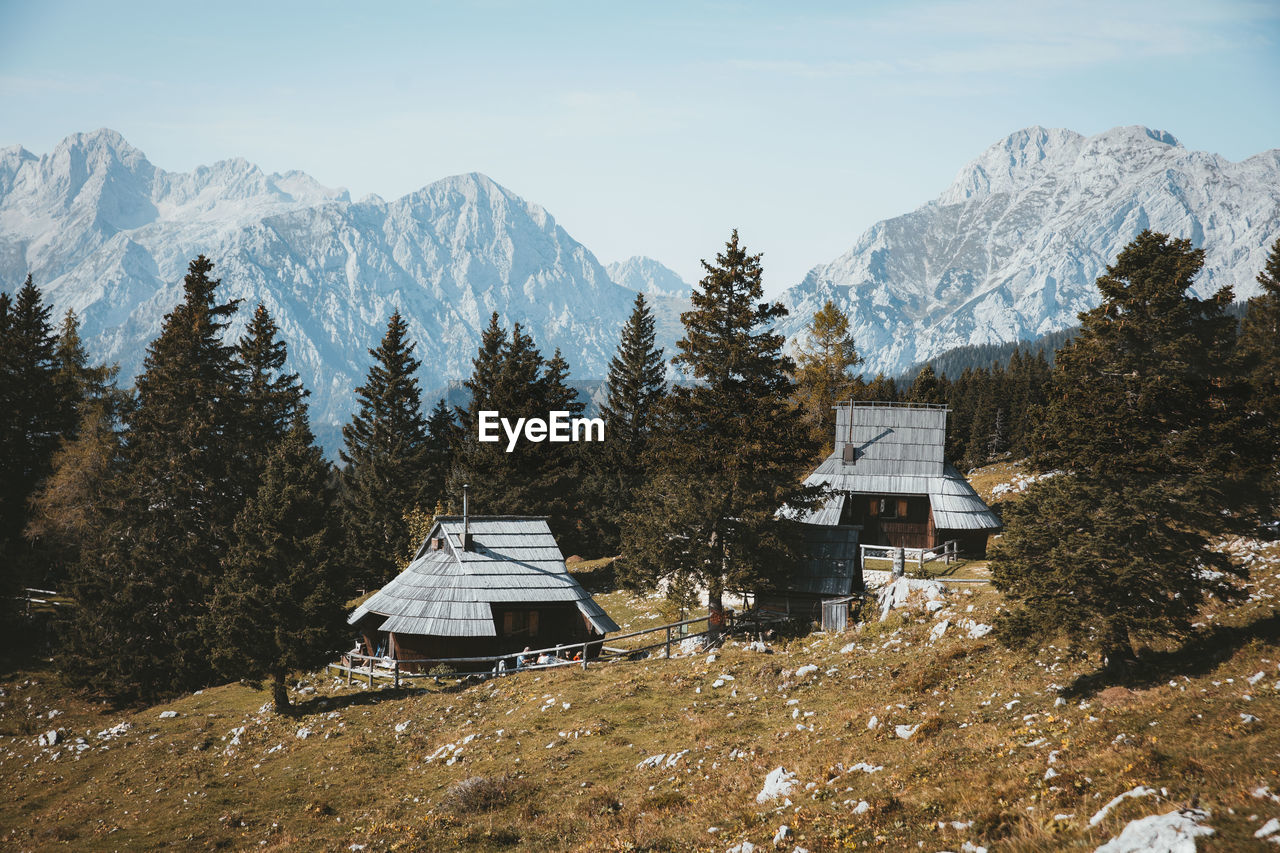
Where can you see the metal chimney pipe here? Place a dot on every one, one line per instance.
(466, 520)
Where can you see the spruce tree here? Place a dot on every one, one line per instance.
(511, 377)
(167, 517)
(384, 447)
(34, 413)
(616, 470)
(729, 451)
(1116, 546)
(443, 438)
(278, 606)
(1259, 359)
(824, 358)
(926, 388)
(273, 399)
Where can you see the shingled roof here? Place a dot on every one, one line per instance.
(450, 592)
(898, 450)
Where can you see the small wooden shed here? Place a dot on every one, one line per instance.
(481, 586)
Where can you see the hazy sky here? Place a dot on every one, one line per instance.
(645, 128)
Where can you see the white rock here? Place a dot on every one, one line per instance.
(303, 733)
(1248, 718)
(1140, 791)
(1256, 677)
(49, 738)
(1271, 827)
(400, 727)
(783, 834)
(873, 723)
(744, 847)
(977, 630)
(905, 732)
(168, 715)
(862, 807)
(1175, 832)
(778, 783)
(805, 670)
(939, 630)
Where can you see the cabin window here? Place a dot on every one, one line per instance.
(875, 507)
(902, 507)
(520, 623)
(889, 508)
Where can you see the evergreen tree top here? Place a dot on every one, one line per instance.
(729, 335)
(389, 420)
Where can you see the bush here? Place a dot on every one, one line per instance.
(482, 793)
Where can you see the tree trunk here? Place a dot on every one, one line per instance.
(280, 694)
(1117, 650)
(715, 611)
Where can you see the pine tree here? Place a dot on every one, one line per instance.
(278, 607)
(1259, 358)
(636, 384)
(727, 452)
(823, 361)
(926, 388)
(511, 377)
(384, 448)
(1116, 546)
(443, 438)
(273, 399)
(167, 517)
(33, 411)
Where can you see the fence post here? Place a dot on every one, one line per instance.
(370, 674)
(584, 656)
(351, 665)
(397, 673)
(668, 642)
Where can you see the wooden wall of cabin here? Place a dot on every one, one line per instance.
(543, 626)
(905, 521)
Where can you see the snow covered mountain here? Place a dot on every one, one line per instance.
(105, 232)
(1011, 249)
(648, 276)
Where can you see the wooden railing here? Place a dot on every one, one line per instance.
(948, 552)
(371, 666)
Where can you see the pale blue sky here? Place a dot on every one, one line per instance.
(644, 128)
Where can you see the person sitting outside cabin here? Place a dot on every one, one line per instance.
(522, 659)
(545, 659)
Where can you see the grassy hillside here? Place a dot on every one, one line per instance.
(1006, 750)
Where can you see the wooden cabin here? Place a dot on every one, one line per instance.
(892, 481)
(481, 586)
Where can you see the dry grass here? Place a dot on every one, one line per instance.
(505, 765)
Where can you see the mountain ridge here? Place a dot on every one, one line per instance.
(108, 234)
(1011, 249)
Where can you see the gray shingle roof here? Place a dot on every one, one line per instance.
(450, 592)
(900, 451)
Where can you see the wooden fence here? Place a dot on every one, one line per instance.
(948, 552)
(356, 666)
